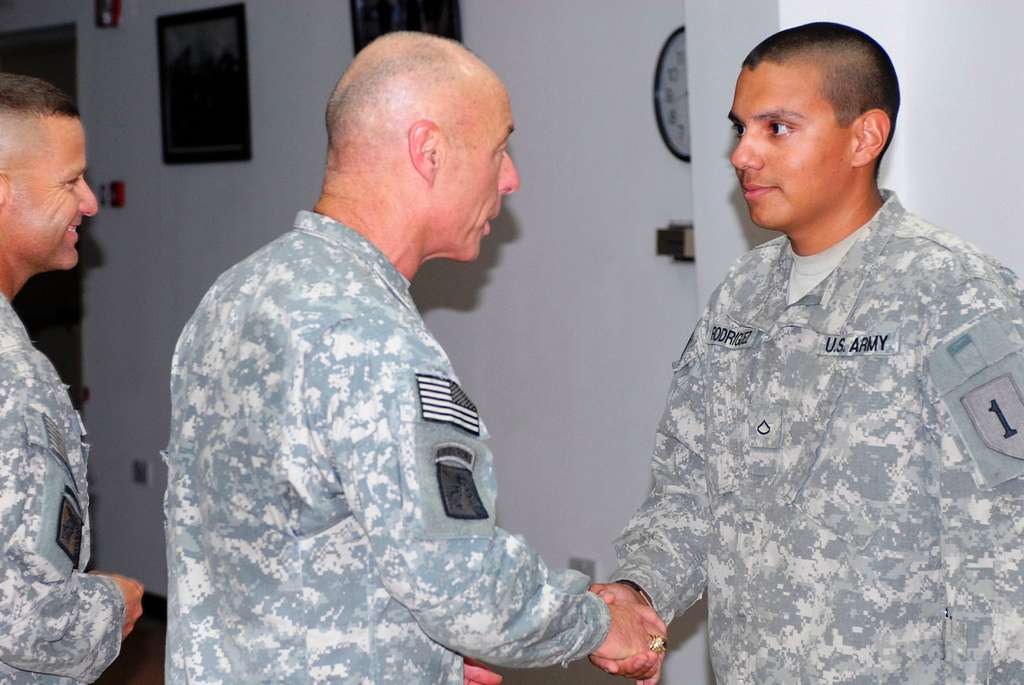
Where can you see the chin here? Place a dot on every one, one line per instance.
(765, 220)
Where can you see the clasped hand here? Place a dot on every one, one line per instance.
(626, 651)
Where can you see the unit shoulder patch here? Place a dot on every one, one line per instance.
(69, 527)
(996, 410)
(459, 494)
(443, 401)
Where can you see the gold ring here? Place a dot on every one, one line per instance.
(657, 644)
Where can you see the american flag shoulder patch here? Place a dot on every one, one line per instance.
(443, 401)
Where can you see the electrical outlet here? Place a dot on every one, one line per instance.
(140, 471)
(585, 566)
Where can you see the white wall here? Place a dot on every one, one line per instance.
(567, 339)
(719, 35)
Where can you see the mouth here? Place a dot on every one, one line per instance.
(753, 191)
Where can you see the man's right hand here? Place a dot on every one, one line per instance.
(132, 591)
(632, 627)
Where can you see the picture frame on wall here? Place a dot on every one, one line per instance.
(204, 86)
(373, 18)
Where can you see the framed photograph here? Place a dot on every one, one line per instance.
(204, 86)
(372, 18)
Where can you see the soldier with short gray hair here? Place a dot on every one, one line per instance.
(58, 624)
(840, 464)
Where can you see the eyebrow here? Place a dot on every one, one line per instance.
(770, 114)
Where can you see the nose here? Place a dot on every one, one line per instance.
(746, 155)
(508, 179)
(87, 204)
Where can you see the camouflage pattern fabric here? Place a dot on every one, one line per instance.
(57, 625)
(331, 497)
(843, 475)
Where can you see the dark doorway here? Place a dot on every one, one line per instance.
(50, 304)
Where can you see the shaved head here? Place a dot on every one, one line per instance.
(24, 102)
(856, 72)
(398, 78)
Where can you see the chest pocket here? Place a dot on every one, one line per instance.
(730, 362)
(866, 440)
(58, 506)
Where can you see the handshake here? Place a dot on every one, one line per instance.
(634, 647)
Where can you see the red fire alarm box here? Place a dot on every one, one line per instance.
(108, 13)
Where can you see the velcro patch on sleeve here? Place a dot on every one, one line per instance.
(69, 528)
(443, 401)
(459, 495)
(979, 375)
(996, 409)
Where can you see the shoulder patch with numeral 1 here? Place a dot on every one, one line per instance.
(996, 409)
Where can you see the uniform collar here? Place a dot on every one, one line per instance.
(361, 248)
(829, 305)
(12, 330)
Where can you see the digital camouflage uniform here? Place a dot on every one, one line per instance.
(843, 475)
(331, 498)
(57, 625)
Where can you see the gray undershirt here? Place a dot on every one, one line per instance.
(811, 270)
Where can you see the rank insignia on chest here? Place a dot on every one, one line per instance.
(443, 401)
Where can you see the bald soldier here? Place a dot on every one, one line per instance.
(331, 496)
(58, 624)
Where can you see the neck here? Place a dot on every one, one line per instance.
(840, 223)
(10, 280)
(372, 215)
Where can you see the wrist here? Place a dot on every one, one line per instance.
(637, 589)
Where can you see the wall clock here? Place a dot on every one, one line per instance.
(671, 97)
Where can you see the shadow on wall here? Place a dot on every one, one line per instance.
(583, 673)
(440, 284)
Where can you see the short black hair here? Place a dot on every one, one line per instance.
(856, 72)
(30, 96)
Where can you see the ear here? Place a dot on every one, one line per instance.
(426, 151)
(871, 131)
(6, 192)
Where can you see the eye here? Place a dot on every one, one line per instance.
(738, 129)
(778, 128)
